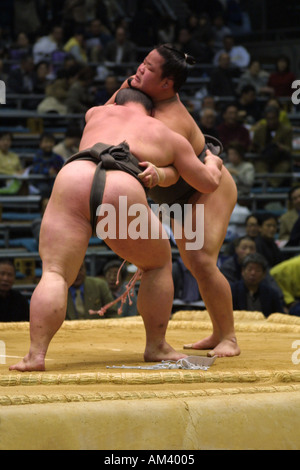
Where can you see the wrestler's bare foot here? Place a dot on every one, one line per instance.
(162, 352)
(30, 363)
(224, 348)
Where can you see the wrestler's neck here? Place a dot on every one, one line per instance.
(165, 99)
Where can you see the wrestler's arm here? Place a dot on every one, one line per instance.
(205, 177)
(158, 176)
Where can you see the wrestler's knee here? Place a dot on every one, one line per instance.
(201, 265)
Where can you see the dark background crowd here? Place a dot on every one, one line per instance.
(59, 58)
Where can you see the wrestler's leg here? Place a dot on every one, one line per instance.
(153, 257)
(64, 238)
(213, 286)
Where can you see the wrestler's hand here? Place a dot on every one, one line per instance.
(211, 158)
(151, 176)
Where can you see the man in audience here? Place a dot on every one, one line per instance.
(289, 218)
(287, 276)
(88, 293)
(265, 241)
(252, 292)
(14, 306)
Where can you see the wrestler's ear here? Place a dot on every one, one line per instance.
(168, 83)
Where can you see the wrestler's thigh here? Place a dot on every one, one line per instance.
(218, 207)
(139, 237)
(65, 229)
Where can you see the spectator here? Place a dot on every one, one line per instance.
(252, 292)
(294, 239)
(111, 85)
(21, 78)
(75, 46)
(231, 130)
(265, 241)
(120, 51)
(242, 172)
(288, 220)
(88, 293)
(10, 165)
(79, 97)
(56, 94)
(70, 144)
(232, 266)
(200, 27)
(249, 108)
(222, 78)
(251, 231)
(41, 77)
(207, 123)
(46, 163)
(252, 226)
(287, 275)
(94, 44)
(273, 141)
(20, 48)
(219, 31)
(281, 80)
(283, 115)
(256, 77)
(110, 271)
(239, 56)
(46, 45)
(14, 306)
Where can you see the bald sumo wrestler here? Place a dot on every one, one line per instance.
(66, 227)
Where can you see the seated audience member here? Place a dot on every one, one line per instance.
(41, 77)
(252, 226)
(294, 239)
(239, 56)
(111, 271)
(273, 141)
(231, 130)
(252, 292)
(70, 144)
(75, 46)
(249, 108)
(56, 94)
(46, 163)
(251, 231)
(88, 293)
(281, 80)
(222, 78)
(111, 85)
(20, 47)
(283, 114)
(79, 97)
(200, 50)
(265, 241)
(255, 77)
(242, 172)
(185, 285)
(287, 276)
(232, 266)
(10, 164)
(120, 50)
(21, 78)
(289, 218)
(207, 122)
(44, 47)
(219, 31)
(14, 307)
